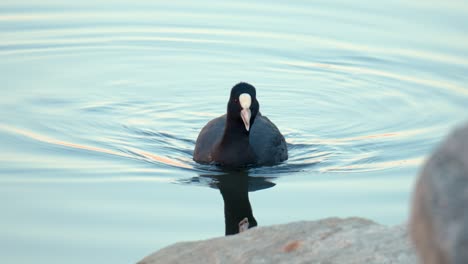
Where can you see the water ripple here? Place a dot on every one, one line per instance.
(102, 102)
(351, 105)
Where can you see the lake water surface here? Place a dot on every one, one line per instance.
(102, 103)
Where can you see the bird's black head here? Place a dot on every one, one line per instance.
(243, 105)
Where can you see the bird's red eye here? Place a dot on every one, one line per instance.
(236, 100)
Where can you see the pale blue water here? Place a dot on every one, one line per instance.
(102, 102)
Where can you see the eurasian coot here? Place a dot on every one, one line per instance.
(242, 136)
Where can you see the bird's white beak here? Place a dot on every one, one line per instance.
(245, 114)
(245, 102)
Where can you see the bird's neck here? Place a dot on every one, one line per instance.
(235, 133)
(234, 148)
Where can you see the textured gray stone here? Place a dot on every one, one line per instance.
(332, 240)
(439, 216)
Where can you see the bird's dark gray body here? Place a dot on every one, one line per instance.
(265, 140)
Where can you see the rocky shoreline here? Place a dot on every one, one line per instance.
(331, 240)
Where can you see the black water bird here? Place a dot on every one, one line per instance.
(241, 137)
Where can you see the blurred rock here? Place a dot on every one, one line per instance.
(332, 240)
(439, 217)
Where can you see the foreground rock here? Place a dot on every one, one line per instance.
(332, 240)
(439, 217)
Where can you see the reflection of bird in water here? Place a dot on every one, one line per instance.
(235, 187)
(238, 215)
